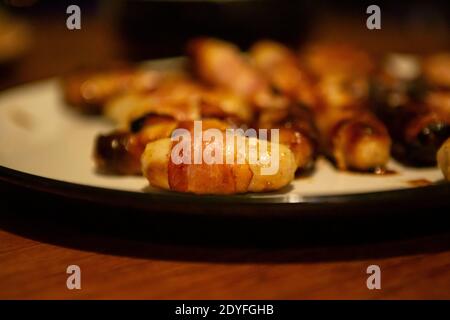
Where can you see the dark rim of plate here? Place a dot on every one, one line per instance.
(439, 192)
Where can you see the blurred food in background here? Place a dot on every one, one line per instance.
(145, 29)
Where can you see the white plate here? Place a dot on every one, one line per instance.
(40, 135)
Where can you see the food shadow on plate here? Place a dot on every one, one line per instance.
(126, 232)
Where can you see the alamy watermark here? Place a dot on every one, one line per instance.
(373, 22)
(74, 280)
(374, 280)
(232, 146)
(73, 21)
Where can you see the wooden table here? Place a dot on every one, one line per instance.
(32, 268)
(35, 250)
(42, 236)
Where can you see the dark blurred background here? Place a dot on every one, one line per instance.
(35, 43)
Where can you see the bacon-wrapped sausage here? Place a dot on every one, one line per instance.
(415, 106)
(337, 58)
(225, 105)
(88, 91)
(296, 130)
(279, 64)
(355, 140)
(443, 159)
(221, 64)
(418, 133)
(182, 98)
(139, 117)
(349, 132)
(436, 69)
(120, 151)
(176, 95)
(163, 171)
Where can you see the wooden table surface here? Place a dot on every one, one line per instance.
(33, 265)
(36, 250)
(42, 236)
